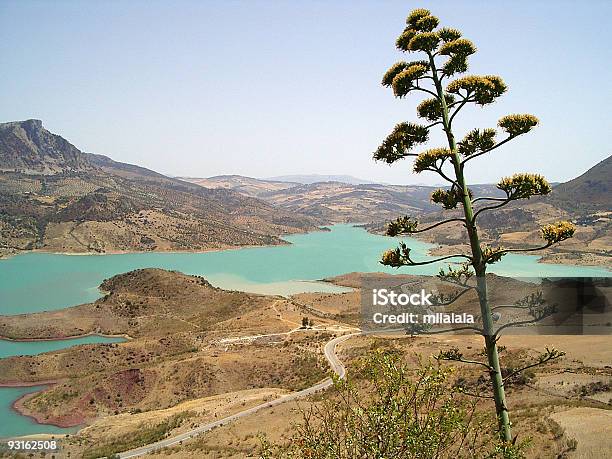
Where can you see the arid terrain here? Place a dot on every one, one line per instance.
(53, 197)
(58, 199)
(197, 353)
(305, 230)
(584, 200)
(335, 201)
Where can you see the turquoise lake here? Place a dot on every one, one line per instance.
(38, 281)
(9, 348)
(13, 424)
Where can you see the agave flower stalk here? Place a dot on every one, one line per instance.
(446, 55)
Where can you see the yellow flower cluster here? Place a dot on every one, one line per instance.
(431, 109)
(477, 141)
(426, 41)
(416, 16)
(517, 124)
(523, 186)
(397, 257)
(418, 36)
(429, 159)
(483, 89)
(557, 232)
(399, 67)
(448, 34)
(403, 138)
(448, 198)
(461, 46)
(404, 81)
(492, 255)
(402, 225)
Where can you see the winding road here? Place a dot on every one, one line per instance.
(335, 364)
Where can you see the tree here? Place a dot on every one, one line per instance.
(446, 56)
(389, 409)
(305, 322)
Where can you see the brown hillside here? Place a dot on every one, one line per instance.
(56, 198)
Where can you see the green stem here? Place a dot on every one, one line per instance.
(479, 267)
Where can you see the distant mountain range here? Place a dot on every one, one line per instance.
(586, 200)
(55, 197)
(339, 200)
(591, 191)
(335, 201)
(308, 179)
(28, 148)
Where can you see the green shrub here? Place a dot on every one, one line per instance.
(144, 435)
(391, 410)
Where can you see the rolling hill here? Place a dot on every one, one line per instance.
(585, 200)
(244, 185)
(28, 148)
(308, 179)
(57, 198)
(335, 201)
(591, 191)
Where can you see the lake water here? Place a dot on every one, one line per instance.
(12, 423)
(38, 281)
(9, 348)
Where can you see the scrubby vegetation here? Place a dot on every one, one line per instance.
(388, 408)
(70, 201)
(144, 435)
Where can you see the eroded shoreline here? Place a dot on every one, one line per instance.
(64, 338)
(19, 407)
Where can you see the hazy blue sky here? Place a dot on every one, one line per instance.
(270, 88)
